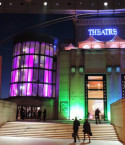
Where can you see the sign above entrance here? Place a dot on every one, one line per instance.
(107, 32)
(103, 34)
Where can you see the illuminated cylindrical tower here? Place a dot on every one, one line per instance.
(34, 67)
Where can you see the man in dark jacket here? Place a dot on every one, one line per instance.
(76, 125)
(97, 118)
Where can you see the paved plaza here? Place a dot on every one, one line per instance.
(44, 141)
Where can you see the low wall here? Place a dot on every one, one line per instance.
(118, 118)
(7, 111)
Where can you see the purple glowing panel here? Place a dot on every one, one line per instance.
(49, 90)
(13, 76)
(34, 90)
(24, 89)
(45, 90)
(50, 63)
(40, 90)
(14, 90)
(25, 75)
(26, 61)
(51, 50)
(50, 76)
(47, 49)
(32, 47)
(41, 72)
(46, 76)
(46, 62)
(16, 75)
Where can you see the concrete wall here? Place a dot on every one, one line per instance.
(7, 111)
(118, 118)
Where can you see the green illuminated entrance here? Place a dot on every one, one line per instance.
(95, 96)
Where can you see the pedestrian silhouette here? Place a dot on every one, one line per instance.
(87, 129)
(44, 115)
(97, 118)
(39, 114)
(76, 125)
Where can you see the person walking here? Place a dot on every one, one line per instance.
(44, 115)
(76, 125)
(87, 129)
(39, 115)
(97, 118)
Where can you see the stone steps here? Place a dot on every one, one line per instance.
(55, 130)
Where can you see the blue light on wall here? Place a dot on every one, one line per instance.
(105, 34)
(109, 69)
(117, 69)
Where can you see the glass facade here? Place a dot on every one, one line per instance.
(33, 69)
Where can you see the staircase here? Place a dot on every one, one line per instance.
(55, 130)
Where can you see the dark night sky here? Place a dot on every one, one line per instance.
(17, 23)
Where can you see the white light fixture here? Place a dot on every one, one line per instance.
(10, 4)
(45, 3)
(105, 4)
(57, 3)
(0, 3)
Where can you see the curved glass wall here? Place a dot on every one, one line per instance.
(33, 69)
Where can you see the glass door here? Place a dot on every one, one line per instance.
(95, 96)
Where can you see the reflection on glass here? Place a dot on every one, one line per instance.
(93, 105)
(95, 84)
(95, 77)
(95, 93)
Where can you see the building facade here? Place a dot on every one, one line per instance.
(76, 80)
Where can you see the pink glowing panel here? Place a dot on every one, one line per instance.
(45, 90)
(46, 76)
(46, 62)
(32, 47)
(31, 60)
(42, 48)
(30, 75)
(37, 45)
(13, 76)
(50, 76)
(50, 63)
(29, 89)
(16, 75)
(14, 63)
(49, 90)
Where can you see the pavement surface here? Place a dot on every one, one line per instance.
(44, 141)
